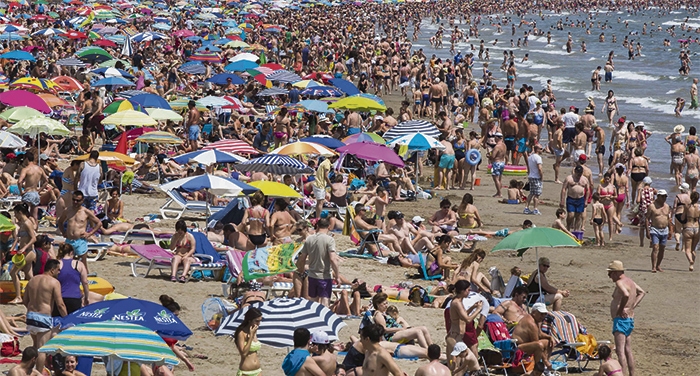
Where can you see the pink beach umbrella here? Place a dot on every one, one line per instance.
(15, 98)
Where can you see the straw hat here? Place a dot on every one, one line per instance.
(616, 266)
(678, 129)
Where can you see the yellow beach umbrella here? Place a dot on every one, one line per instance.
(130, 117)
(275, 189)
(159, 137)
(358, 104)
(301, 148)
(164, 114)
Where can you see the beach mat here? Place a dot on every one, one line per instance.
(351, 254)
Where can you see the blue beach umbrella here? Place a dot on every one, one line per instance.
(135, 311)
(113, 81)
(193, 67)
(345, 86)
(327, 141)
(150, 101)
(18, 55)
(208, 157)
(241, 66)
(316, 106)
(215, 184)
(416, 141)
(322, 91)
(222, 79)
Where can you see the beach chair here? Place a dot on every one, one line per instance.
(142, 235)
(565, 329)
(153, 257)
(424, 270)
(178, 205)
(96, 251)
(513, 283)
(366, 237)
(278, 289)
(234, 261)
(7, 203)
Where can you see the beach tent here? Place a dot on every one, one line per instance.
(232, 213)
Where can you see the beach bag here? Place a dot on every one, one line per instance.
(590, 346)
(10, 345)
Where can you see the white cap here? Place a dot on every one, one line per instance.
(661, 192)
(647, 180)
(459, 348)
(417, 219)
(540, 307)
(685, 187)
(320, 338)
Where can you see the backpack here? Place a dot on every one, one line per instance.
(10, 345)
(523, 107)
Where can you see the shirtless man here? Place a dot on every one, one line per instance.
(694, 95)
(497, 158)
(626, 298)
(446, 164)
(435, 97)
(98, 105)
(599, 134)
(73, 226)
(531, 339)
(26, 366)
(574, 191)
(444, 220)
(435, 367)
(299, 362)
(378, 361)
(320, 348)
(404, 231)
(513, 310)
(510, 131)
(30, 179)
(557, 146)
(194, 130)
(42, 294)
(281, 223)
(658, 222)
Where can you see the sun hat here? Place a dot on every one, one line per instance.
(661, 192)
(616, 266)
(678, 129)
(685, 187)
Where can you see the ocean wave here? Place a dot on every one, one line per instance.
(554, 52)
(663, 106)
(679, 22)
(626, 75)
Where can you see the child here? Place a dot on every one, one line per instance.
(560, 223)
(513, 193)
(610, 366)
(598, 217)
(394, 313)
(680, 103)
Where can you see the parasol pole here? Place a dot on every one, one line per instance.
(539, 274)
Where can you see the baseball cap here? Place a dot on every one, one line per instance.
(661, 192)
(498, 134)
(539, 307)
(418, 219)
(399, 214)
(616, 266)
(685, 187)
(571, 108)
(647, 180)
(320, 338)
(582, 157)
(459, 348)
(621, 120)
(43, 157)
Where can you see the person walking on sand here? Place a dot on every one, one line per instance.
(658, 222)
(625, 299)
(691, 235)
(73, 225)
(43, 292)
(194, 130)
(30, 180)
(497, 158)
(534, 177)
(319, 249)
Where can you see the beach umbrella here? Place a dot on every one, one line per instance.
(130, 310)
(282, 316)
(307, 83)
(68, 83)
(134, 133)
(222, 79)
(52, 100)
(372, 97)
(273, 66)
(215, 184)
(283, 76)
(104, 43)
(181, 103)
(15, 98)
(240, 66)
(112, 72)
(32, 83)
(259, 77)
(208, 157)
(39, 124)
(358, 103)
(93, 55)
(244, 56)
(193, 67)
(11, 36)
(151, 101)
(535, 237)
(147, 36)
(373, 152)
(322, 91)
(275, 189)
(71, 62)
(364, 137)
(15, 114)
(113, 81)
(18, 55)
(159, 137)
(275, 164)
(112, 62)
(107, 30)
(324, 77)
(273, 91)
(416, 141)
(163, 114)
(325, 140)
(412, 126)
(213, 101)
(74, 34)
(110, 157)
(345, 86)
(48, 32)
(209, 48)
(303, 148)
(114, 340)
(129, 117)
(316, 106)
(121, 105)
(232, 146)
(211, 57)
(10, 141)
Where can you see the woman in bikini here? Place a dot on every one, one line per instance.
(691, 162)
(24, 244)
(115, 207)
(691, 232)
(645, 198)
(468, 213)
(610, 106)
(461, 321)
(639, 169)
(468, 270)
(682, 199)
(183, 246)
(246, 337)
(608, 196)
(437, 262)
(677, 156)
(69, 180)
(256, 221)
(609, 366)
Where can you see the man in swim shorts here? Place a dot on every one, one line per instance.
(31, 178)
(658, 222)
(694, 95)
(43, 292)
(574, 191)
(626, 298)
(447, 163)
(497, 158)
(73, 224)
(194, 129)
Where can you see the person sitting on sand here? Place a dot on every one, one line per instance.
(114, 207)
(531, 339)
(444, 220)
(322, 351)
(26, 365)
(468, 270)
(560, 222)
(514, 192)
(468, 213)
(609, 366)
(69, 364)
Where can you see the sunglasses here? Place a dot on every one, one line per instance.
(546, 266)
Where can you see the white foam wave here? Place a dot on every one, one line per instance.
(671, 91)
(678, 23)
(554, 52)
(591, 59)
(666, 107)
(626, 75)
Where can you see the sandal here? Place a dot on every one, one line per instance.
(183, 279)
(173, 279)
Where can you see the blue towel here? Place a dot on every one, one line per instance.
(293, 362)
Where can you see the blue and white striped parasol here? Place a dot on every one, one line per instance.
(283, 76)
(412, 126)
(275, 164)
(208, 157)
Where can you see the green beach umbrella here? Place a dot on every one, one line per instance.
(535, 237)
(111, 63)
(15, 114)
(6, 224)
(112, 339)
(39, 124)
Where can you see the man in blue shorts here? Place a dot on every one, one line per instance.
(574, 191)
(77, 223)
(319, 250)
(194, 130)
(497, 158)
(626, 298)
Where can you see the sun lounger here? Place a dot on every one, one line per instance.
(153, 257)
(143, 235)
(178, 205)
(96, 251)
(278, 289)
(9, 202)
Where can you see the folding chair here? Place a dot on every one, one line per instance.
(424, 270)
(366, 236)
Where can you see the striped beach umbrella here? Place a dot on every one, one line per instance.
(215, 184)
(211, 57)
(412, 126)
(364, 137)
(275, 164)
(301, 148)
(10, 141)
(322, 91)
(159, 137)
(120, 105)
(416, 141)
(273, 91)
(208, 157)
(282, 316)
(232, 146)
(112, 339)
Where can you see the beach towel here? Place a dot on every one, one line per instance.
(270, 260)
(352, 253)
(348, 228)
